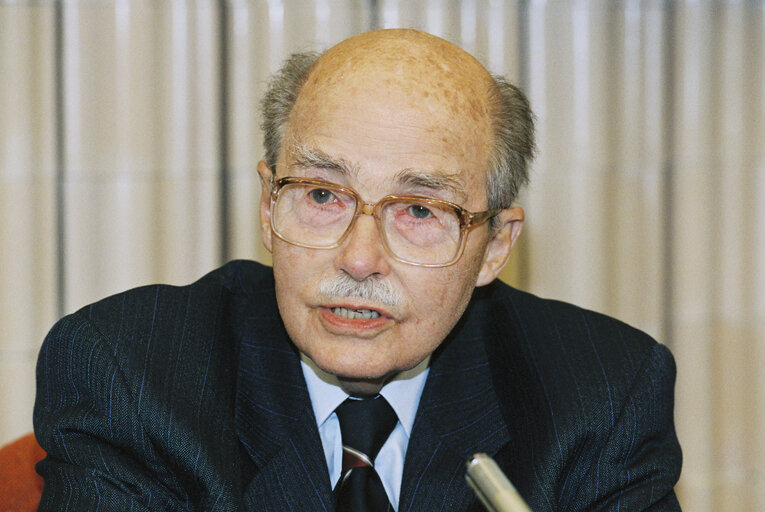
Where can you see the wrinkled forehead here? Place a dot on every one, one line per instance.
(405, 90)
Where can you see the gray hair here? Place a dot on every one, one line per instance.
(281, 94)
(513, 126)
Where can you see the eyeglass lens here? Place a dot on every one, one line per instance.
(414, 230)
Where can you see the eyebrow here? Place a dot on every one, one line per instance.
(305, 157)
(434, 181)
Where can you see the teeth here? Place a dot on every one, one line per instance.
(354, 314)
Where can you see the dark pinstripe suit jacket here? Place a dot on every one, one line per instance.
(192, 398)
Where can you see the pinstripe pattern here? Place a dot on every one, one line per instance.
(192, 398)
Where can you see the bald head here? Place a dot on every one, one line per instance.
(423, 69)
(408, 78)
(407, 48)
(401, 79)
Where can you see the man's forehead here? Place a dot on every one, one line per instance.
(302, 158)
(411, 100)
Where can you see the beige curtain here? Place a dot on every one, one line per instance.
(129, 138)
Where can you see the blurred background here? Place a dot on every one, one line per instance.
(129, 137)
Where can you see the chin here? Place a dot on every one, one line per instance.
(353, 370)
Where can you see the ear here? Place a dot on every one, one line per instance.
(266, 177)
(509, 225)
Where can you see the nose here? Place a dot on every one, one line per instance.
(362, 255)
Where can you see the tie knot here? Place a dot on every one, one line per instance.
(366, 423)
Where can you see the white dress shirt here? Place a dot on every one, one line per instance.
(402, 393)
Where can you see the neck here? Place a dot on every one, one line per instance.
(363, 387)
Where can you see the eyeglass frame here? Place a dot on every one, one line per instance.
(468, 220)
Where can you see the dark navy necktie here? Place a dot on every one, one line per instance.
(365, 424)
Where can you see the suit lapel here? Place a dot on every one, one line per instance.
(459, 415)
(295, 477)
(284, 463)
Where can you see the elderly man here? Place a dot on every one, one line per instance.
(380, 352)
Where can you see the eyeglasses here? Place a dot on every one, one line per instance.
(416, 230)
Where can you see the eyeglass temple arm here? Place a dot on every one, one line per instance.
(476, 219)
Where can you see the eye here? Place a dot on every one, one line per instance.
(322, 195)
(419, 212)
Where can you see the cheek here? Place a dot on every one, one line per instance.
(285, 280)
(442, 298)
(294, 271)
(294, 264)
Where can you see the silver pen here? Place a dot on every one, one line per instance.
(492, 486)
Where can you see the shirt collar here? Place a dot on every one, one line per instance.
(402, 392)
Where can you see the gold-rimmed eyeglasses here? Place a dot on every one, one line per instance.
(416, 230)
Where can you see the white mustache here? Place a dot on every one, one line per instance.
(370, 289)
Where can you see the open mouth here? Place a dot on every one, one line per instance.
(355, 314)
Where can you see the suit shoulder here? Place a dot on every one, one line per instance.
(587, 397)
(143, 304)
(159, 315)
(149, 375)
(573, 355)
(543, 320)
